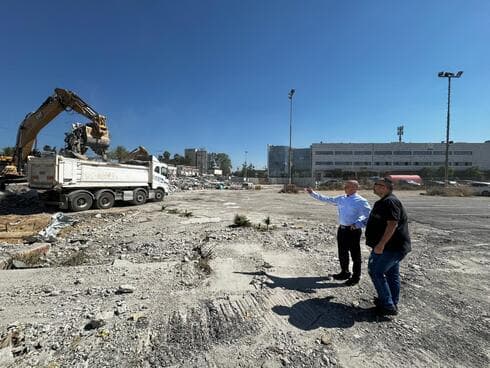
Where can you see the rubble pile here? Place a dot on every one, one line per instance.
(19, 199)
(201, 182)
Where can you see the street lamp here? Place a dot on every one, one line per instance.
(245, 178)
(448, 75)
(290, 96)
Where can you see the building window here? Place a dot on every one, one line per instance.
(324, 153)
(402, 153)
(467, 164)
(382, 152)
(438, 163)
(385, 163)
(341, 153)
(343, 163)
(323, 163)
(438, 153)
(422, 153)
(362, 163)
(463, 153)
(359, 153)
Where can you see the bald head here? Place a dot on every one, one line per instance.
(351, 186)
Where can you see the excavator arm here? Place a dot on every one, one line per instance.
(93, 135)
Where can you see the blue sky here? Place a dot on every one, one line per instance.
(216, 74)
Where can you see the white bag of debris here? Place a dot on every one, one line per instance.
(58, 221)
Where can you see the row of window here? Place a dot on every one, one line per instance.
(396, 153)
(387, 163)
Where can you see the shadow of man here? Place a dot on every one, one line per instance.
(314, 313)
(302, 284)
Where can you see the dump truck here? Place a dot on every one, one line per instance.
(78, 185)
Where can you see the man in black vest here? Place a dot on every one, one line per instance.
(387, 233)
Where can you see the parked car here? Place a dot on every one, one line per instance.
(480, 188)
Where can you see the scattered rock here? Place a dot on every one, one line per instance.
(326, 340)
(125, 289)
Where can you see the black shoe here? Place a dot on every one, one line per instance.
(341, 276)
(352, 281)
(377, 303)
(382, 311)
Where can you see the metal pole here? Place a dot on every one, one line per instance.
(446, 166)
(290, 133)
(245, 179)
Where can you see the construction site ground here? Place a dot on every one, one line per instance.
(174, 284)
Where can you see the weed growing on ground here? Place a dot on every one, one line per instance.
(173, 210)
(267, 222)
(241, 221)
(186, 214)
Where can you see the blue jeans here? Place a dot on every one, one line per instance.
(384, 270)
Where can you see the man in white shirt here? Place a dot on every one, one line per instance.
(353, 211)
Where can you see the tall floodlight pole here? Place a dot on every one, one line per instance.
(449, 76)
(245, 179)
(290, 96)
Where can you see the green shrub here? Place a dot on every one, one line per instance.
(241, 221)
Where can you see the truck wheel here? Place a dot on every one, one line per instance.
(139, 197)
(80, 202)
(159, 195)
(105, 200)
(485, 193)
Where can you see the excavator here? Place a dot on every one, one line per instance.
(93, 134)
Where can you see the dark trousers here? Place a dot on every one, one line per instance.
(348, 241)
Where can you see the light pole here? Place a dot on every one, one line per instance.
(245, 178)
(449, 76)
(290, 96)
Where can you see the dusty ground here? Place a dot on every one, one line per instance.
(130, 288)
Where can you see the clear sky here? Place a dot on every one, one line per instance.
(216, 74)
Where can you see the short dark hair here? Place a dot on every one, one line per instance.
(387, 181)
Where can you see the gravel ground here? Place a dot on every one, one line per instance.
(172, 284)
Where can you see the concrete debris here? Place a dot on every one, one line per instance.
(125, 289)
(58, 221)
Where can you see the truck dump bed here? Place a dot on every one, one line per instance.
(61, 172)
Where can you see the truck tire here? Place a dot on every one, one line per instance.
(485, 193)
(104, 200)
(139, 197)
(159, 195)
(80, 202)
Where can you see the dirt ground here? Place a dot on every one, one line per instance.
(172, 284)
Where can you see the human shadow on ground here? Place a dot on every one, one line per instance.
(317, 312)
(314, 313)
(303, 284)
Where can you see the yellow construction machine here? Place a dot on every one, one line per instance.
(93, 134)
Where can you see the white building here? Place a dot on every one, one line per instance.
(396, 157)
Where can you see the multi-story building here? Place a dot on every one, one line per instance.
(277, 162)
(197, 158)
(396, 157)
